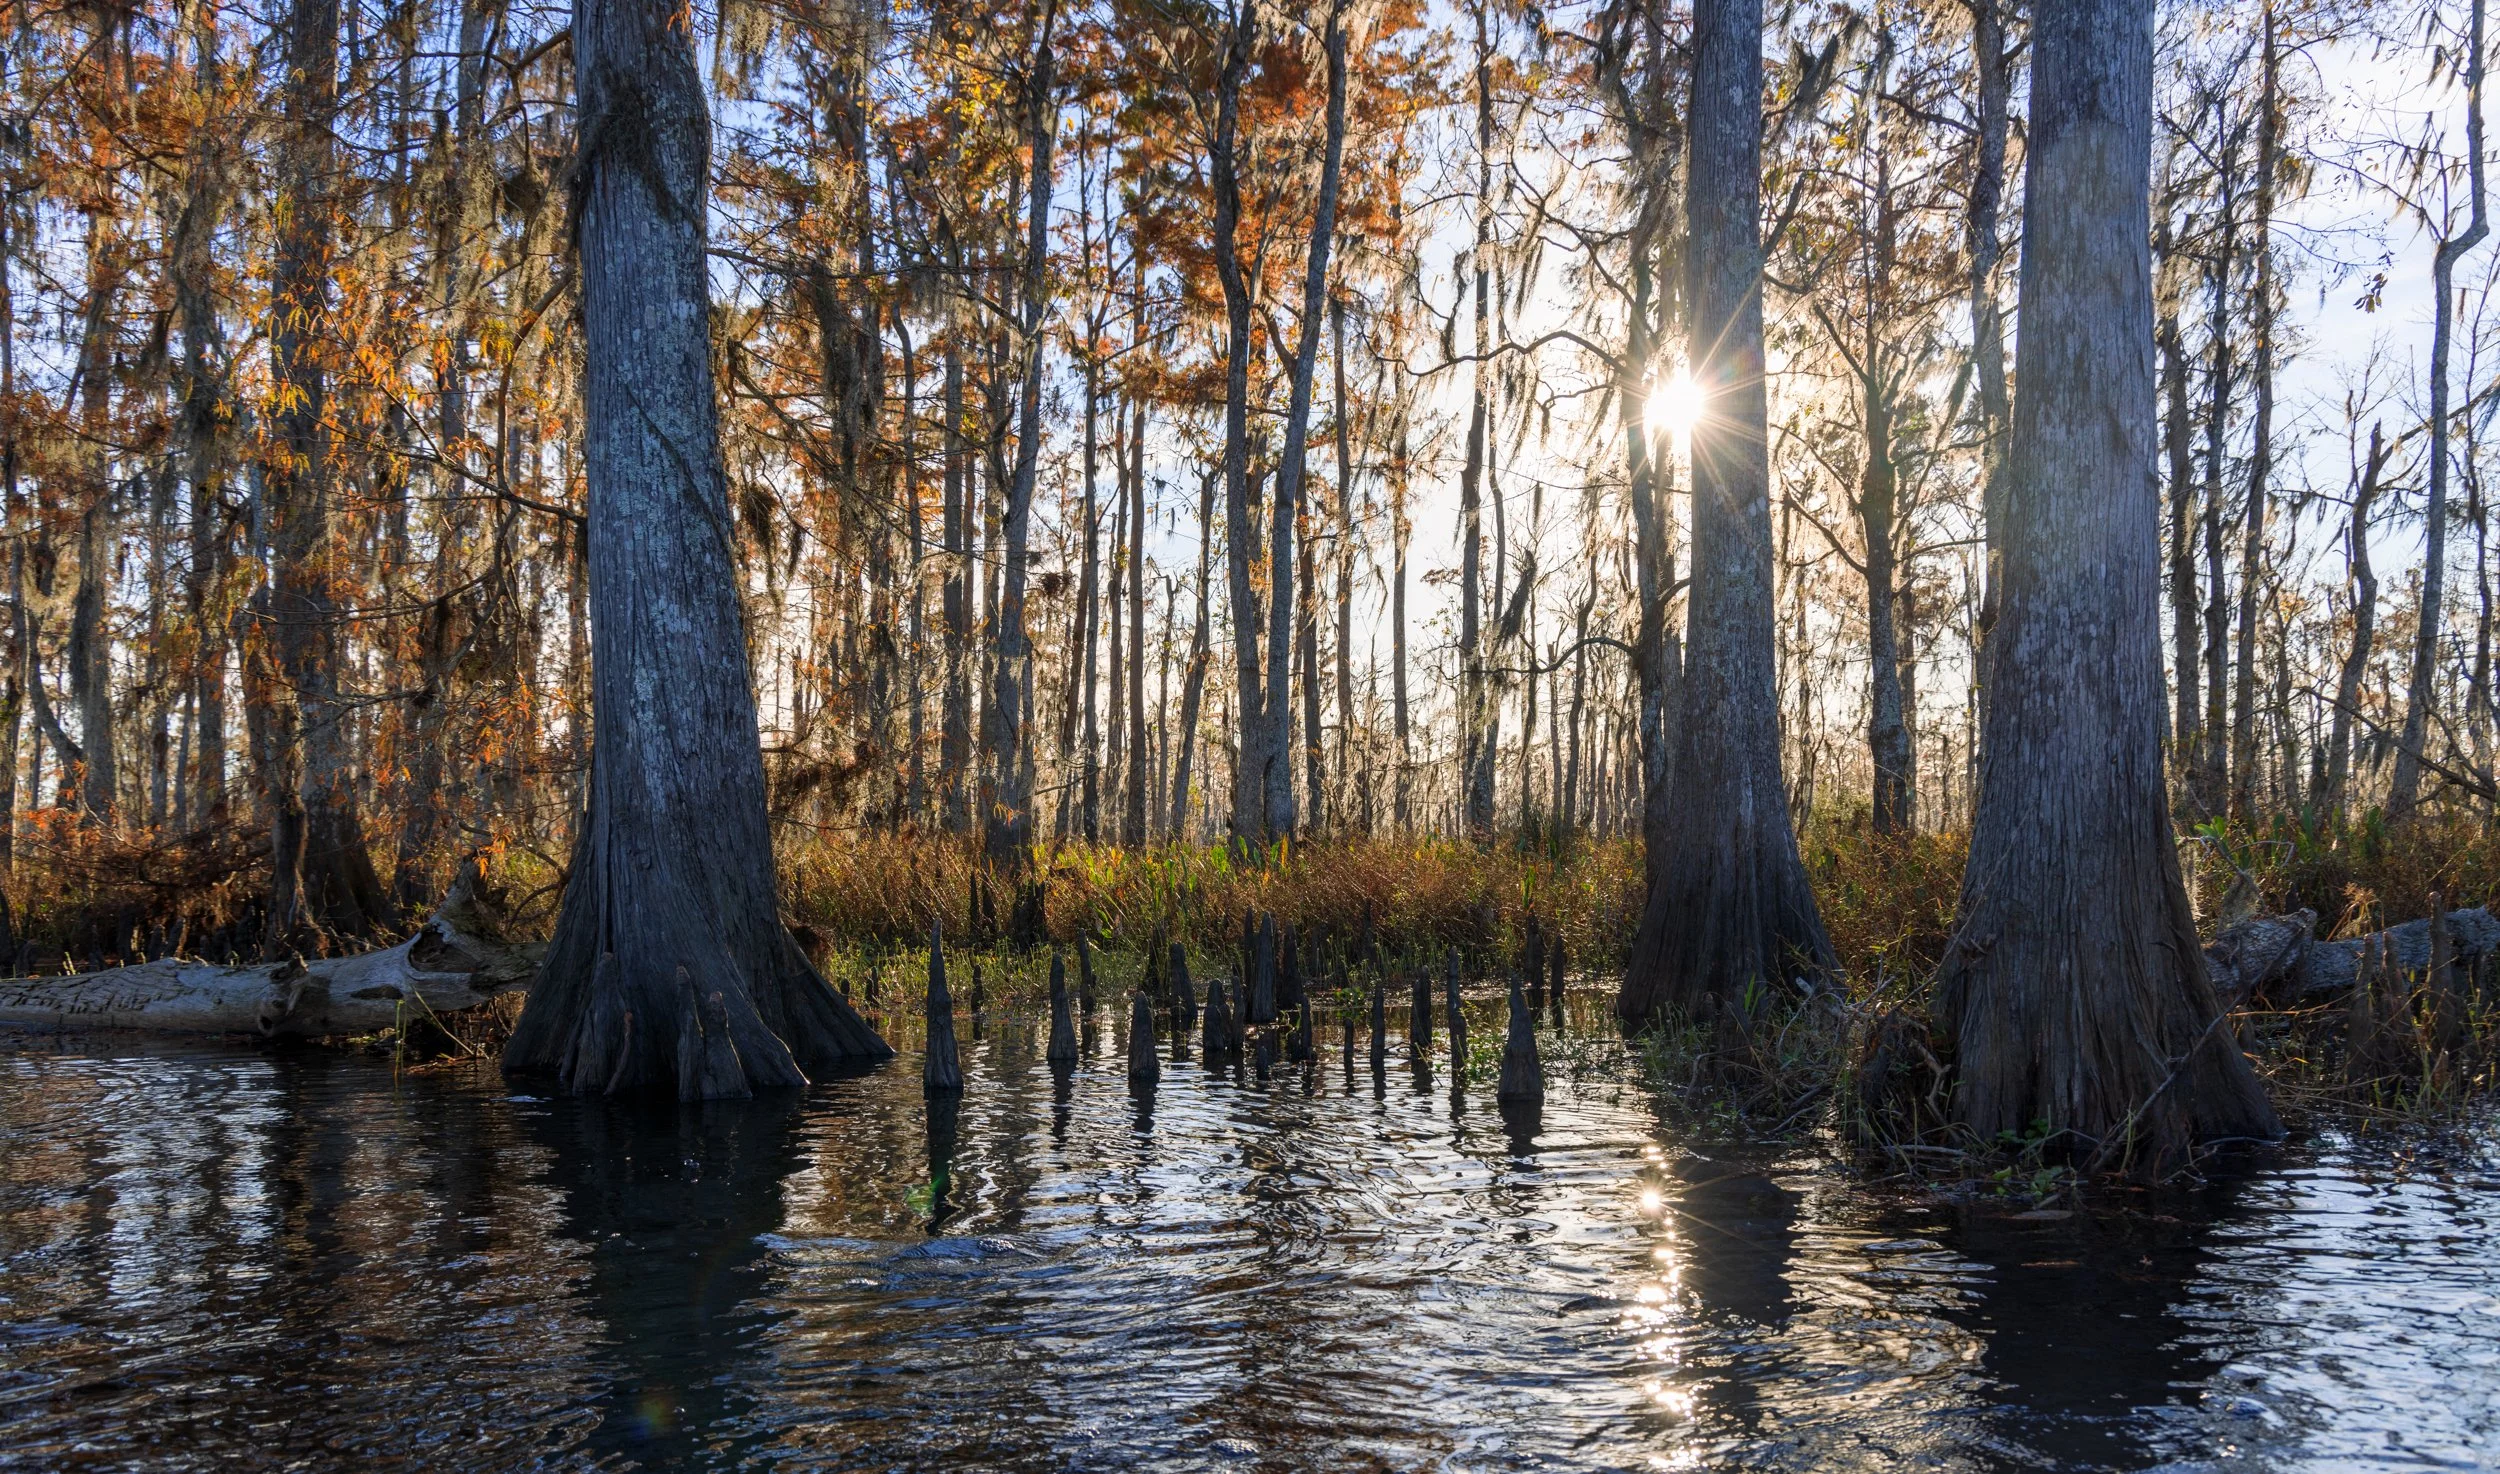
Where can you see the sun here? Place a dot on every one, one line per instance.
(1676, 404)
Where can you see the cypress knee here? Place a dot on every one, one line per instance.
(1380, 1024)
(1458, 1021)
(1184, 998)
(1144, 1068)
(941, 1071)
(1298, 1049)
(1062, 1027)
(1085, 975)
(1261, 1005)
(1218, 1036)
(1523, 1075)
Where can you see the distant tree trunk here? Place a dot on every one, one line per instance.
(324, 877)
(1344, 599)
(2261, 438)
(1314, 811)
(1088, 611)
(955, 725)
(1735, 910)
(1009, 823)
(916, 782)
(1119, 759)
(670, 972)
(1993, 72)
(1400, 530)
(2212, 774)
(1133, 794)
(90, 651)
(1201, 655)
(1253, 757)
(2075, 992)
(2180, 458)
(2356, 666)
(2420, 686)
(1476, 697)
(204, 414)
(1658, 656)
(14, 686)
(1285, 608)
(1888, 731)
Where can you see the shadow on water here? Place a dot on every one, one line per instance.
(221, 1259)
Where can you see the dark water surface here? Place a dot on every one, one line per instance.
(220, 1259)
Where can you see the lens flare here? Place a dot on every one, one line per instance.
(1676, 405)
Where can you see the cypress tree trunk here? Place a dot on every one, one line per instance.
(955, 726)
(1201, 655)
(1008, 830)
(670, 972)
(2075, 992)
(1888, 730)
(2179, 456)
(324, 876)
(2210, 779)
(1253, 758)
(1475, 695)
(1136, 779)
(2261, 445)
(1733, 907)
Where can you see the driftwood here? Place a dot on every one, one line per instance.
(2275, 958)
(459, 959)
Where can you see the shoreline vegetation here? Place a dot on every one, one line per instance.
(2369, 1036)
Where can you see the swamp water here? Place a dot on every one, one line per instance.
(216, 1258)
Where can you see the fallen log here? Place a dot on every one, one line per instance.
(2275, 958)
(459, 959)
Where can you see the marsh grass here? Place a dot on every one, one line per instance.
(1781, 1063)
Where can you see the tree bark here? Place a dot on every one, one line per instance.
(2074, 992)
(670, 972)
(1734, 910)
